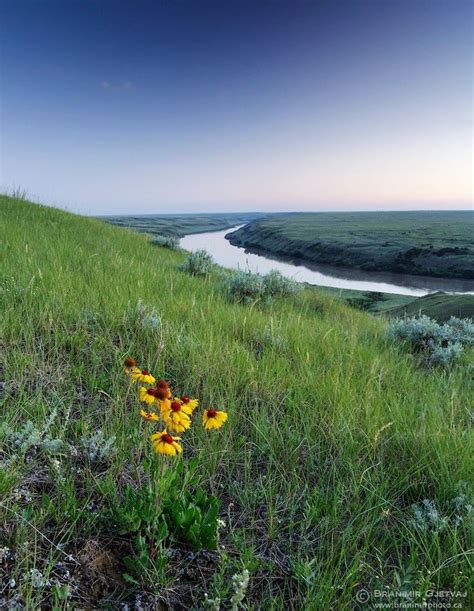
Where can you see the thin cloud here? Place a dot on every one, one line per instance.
(124, 86)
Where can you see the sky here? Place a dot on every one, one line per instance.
(112, 107)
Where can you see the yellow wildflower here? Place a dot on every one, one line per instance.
(175, 417)
(147, 395)
(213, 419)
(164, 443)
(191, 404)
(142, 375)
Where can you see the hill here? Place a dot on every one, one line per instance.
(178, 225)
(342, 464)
(438, 306)
(437, 244)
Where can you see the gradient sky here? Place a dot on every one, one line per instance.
(195, 105)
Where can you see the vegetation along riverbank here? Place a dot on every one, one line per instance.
(437, 244)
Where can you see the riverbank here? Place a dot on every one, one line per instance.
(432, 244)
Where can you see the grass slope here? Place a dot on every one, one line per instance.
(438, 306)
(420, 243)
(332, 435)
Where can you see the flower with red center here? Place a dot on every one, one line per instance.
(129, 362)
(147, 395)
(191, 404)
(213, 419)
(175, 417)
(164, 443)
(162, 393)
(142, 375)
(149, 416)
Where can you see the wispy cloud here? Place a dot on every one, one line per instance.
(124, 86)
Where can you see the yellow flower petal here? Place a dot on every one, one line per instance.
(149, 415)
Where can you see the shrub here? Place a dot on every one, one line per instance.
(428, 517)
(29, 437)
(142, 316)
(248, 288)
(198, 263)
(166, 241)
(276, 284)
(97, 447)
(437, 344)
(245, 287)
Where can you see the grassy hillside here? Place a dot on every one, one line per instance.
(438, 306)
(421, 243)
(333, 434)
(181, 224)
(369, 301)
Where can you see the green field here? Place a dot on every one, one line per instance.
(334, 434)
(435, 244)
(438, 306)
(179, 225)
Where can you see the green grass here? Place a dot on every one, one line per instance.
(374, 302)
(438, 306)
(420, 243)
(333, 433)
(179, 225)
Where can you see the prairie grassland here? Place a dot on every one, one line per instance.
(426, 243)
(333, 433)
(181, 224)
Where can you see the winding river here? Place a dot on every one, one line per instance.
(234, 257)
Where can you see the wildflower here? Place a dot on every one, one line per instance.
(147, 395)
(149, 415)
(142, 375)
(164, 405)
(190, 403)
(213, 419)
(163, 390)
(176, 416)
(178, 405)
(164, 443)
(129, 363)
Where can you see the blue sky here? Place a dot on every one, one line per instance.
(142, 107)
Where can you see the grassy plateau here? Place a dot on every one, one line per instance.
(343, 464)
(181, 224)
(419, 243)
(437, 306)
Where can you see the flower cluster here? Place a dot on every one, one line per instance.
(174, 412)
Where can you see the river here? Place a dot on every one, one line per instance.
(234, 257)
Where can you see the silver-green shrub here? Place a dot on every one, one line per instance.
(437, 344)
(248, 288)
(30, 437)
(166, 241)
(97, 447)
(277, 285)
(198, 263)
(245, 287)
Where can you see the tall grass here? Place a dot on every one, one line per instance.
(333, 433)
